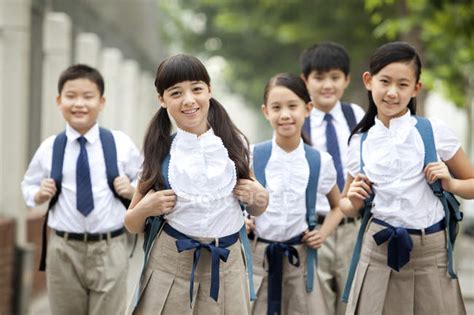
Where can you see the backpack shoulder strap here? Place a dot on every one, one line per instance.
(110, 157)
(349, 115)
(57, 162)
(307, 126)
(313, 157)
(449, 202)
(261, 156)
(366, 214)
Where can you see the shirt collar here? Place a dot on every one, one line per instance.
(318, 116)
(189, 136)
(276, 149)
(91, 136)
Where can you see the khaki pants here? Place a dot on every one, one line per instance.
(87, 277)
(334, 258)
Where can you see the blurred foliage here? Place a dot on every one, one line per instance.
(264, 37)
(445, 30)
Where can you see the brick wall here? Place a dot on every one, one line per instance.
(7, 256)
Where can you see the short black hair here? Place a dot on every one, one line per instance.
(81, 71)
(323, 57)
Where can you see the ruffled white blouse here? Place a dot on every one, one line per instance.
(393, 159)
(203, 176)
(287, 175)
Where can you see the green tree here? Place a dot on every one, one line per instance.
(444, 32)
(262, 38)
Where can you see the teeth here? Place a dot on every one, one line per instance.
(190, 111)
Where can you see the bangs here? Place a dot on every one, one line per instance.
(180, 68)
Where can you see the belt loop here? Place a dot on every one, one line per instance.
(66, 236)
(85, 237)
(216, 240)
(109, 237)
(422, 236)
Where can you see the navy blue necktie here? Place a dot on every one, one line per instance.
(85, 202)
(333, 148)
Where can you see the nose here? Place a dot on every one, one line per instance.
(327, 83)
(188, 98)
(285, 114)
(392, 91)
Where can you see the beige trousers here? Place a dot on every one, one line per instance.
(87, 277)
(334, 258)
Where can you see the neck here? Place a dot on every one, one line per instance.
(386, 120)
(324, 109)
(288, 144)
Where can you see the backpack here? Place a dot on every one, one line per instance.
(453, 214)
(261, 156)
(110, 157)
(153, 226)
(349, 115)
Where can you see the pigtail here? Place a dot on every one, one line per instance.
(156, 146)
(234, 140)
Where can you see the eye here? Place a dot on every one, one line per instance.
(384, 81)
(293, 106)
(276, 107)
(198, 89)
(404, 85)
(175, 93)
(335, 77)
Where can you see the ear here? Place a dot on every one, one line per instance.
(308, 106)
(161, 101)
(264, 110)
(303, 78)
(348, 80)
(367, 79)
(58, 100)
(102, 103)
(418, 87)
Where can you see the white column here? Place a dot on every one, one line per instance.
(87, 49)
(130, 102)
(57, 57)
(148, 105)
(111, 68)
(15, 17)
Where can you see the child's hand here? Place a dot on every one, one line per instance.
(438, 170)
(249, 224)
(46, 192)
(123, 188)
(248, 190)
(359, 190)
(159, 202)
(313, 239)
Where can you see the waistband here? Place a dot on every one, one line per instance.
(90, 237)
(292, 241)
(400, 243)
(345, 220)
(218, 251)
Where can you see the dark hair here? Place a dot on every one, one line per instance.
(81, 71)
(324, 57)
(383, 56)
(292, 83)
(157, 142)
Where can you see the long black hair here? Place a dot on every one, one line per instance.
(157, 141)
(383, 56)
(292, 83)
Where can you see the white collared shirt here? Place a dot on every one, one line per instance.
(108, 213)
(393, 161)
(203, 176)
(287, 175)
(318, 139)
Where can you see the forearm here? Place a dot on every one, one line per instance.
(259, 204)
(332, 220)
(347, 208)
(135, 219)
(463, 188)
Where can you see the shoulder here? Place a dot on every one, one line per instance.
(359, 112)
(121, 138)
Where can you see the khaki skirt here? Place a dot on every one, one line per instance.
(165, 284)
(294, 299)
(422, 286)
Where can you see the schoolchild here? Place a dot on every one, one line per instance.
(196, 265)
(405, 264)
(284, 236)
(325, 68)
(85, 174)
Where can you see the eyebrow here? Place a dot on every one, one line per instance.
(389, 77)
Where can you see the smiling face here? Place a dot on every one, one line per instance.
(392, 89)
(326, 88)
(286, 112)
(80, 102)
(188, 103)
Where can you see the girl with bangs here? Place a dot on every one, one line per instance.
(196, 180)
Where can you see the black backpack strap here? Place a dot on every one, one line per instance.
(57, 162)
(110, 157)
(349, 115)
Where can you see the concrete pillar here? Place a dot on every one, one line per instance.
(130, 103)
(15, 17)
(57, 57)
(87, 49)
(111, 60)
(148, 105)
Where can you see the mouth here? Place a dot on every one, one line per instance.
(389, 103)
(79, 114)
(190, 111)
(286, 125)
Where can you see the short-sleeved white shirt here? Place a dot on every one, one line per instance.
(393, 161)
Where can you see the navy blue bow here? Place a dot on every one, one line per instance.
(399, 244)
(275, 253)
(217, 253)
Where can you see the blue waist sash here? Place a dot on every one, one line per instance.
(274, 253)
(218, 252)
(399, 241)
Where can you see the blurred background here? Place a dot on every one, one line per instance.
(242, 42)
